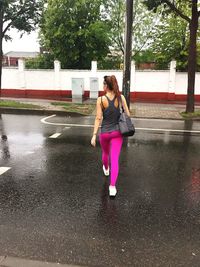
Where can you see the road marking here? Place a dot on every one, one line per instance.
(29, 152)
(4, 169)
(55, 135)
(12, 262)
(142, 129)
(167, 130)
(63, 124)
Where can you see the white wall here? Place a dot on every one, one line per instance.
(10, 78)
(151, 81)
(142, 81)
(182, 81)
(197, 84)
(40, 79)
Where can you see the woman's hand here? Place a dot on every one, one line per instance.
(93, 141)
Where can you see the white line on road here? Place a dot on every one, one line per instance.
(4, 169)
(142, 129)
(55, 135)
(168, 130)
(63, 124)
(13, 262)
(29, 152)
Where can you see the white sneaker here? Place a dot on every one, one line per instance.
(112, 191)
(106, 172)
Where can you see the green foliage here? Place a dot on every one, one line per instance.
(144, 26)
(179, 4)
(75, 32)
(43, 61)
(115, 12)
(144, 22)
(152, 4)
(16, 104)
(146, 56)
(171, 42)
(190, 115)
(110, 63)
(21, 15)
(83, 109)
(75, 36)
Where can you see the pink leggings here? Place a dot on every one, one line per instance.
(111, 144)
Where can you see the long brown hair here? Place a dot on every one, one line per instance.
(112, 84)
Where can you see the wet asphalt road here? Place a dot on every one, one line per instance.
(54, 203)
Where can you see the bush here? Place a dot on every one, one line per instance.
(43, 61)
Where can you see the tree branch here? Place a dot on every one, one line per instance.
(177, 11)
(119, 43)
(118, 26)
(140, 48)
(6, 28)
(20, 12)
(198, 13)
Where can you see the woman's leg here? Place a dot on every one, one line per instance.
(105, 146)
(116, 144)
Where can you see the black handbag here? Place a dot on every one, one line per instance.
(126, 126)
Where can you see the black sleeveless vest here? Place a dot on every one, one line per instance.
(111, 116)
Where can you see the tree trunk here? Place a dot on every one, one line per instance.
(1, 40)
(1, 58)
(192, 59)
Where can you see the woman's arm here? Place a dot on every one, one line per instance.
(126, 109)
(97, 122)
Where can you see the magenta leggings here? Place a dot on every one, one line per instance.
(111, 144)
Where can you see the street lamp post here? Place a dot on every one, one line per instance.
(128, 51)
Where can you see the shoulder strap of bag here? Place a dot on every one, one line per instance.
(102, 104)
(121, 104)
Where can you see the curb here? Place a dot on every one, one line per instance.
(38, 112)
(25, 111)
(161, 118)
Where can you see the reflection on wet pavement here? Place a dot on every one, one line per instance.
(54, 203)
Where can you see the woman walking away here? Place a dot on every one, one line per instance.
(110, 138)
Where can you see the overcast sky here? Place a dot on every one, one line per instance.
(27, 43)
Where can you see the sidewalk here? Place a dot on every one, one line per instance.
(140, 110)
(157, 111)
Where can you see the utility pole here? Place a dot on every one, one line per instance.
(128, 51)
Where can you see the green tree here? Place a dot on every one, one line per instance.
(75, 32)
(115, 11)
(144, 56)
(43, 61)
(171, 42)
(22, 15)
(192, 17)
(144, 22)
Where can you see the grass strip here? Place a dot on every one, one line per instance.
(16, 104)
(191, 115)
(85, 109)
